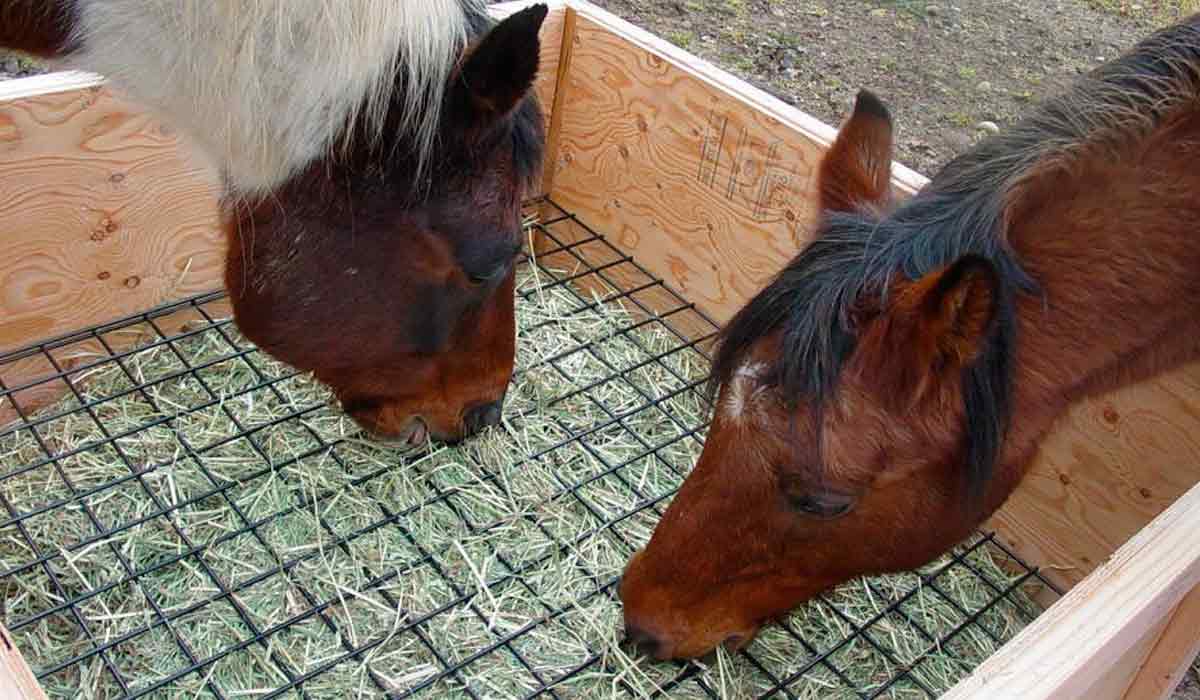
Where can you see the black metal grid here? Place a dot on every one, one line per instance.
(55, 522)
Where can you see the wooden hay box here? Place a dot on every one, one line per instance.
(708, 183)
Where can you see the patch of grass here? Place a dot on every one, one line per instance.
(683, 39)
(959, 119)
(915, 8)
(785, 39)
(735, 7)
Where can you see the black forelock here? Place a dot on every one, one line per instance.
(810, 307)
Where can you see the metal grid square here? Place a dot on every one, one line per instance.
(281, 546)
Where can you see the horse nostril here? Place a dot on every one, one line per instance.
(642, 641)
(483, 416)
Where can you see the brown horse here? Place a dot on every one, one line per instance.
(888, 389)
(375, 155)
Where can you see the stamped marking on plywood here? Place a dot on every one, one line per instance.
(737, 163)
(711, 146)
(744, 175)
(774, 176)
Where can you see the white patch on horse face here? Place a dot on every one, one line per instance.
(265, 87)
(743, 390)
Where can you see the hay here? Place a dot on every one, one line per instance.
(499, 555)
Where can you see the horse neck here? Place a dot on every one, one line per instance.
(1112, 242)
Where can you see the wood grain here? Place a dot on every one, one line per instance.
(702, 178)
(104, 213)
(1113, 682)
(1068, 651)
(1111, 464)
(17, 681)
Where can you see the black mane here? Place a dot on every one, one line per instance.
(525, 126)
(959, 213)
(528, 140)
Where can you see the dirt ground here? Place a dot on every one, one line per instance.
(945, 67)
(951, 70)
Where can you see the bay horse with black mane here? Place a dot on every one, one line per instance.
(886, 392)
(374, 154)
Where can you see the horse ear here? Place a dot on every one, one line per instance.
(936, 325)
(500, 70)
(957, 306)
(856, 170)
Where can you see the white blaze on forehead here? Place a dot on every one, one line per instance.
(742, 389)
(265, 87)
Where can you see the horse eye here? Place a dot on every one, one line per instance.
(826, 506)
(480, 279)
(493, 275)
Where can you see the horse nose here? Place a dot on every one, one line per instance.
(642, 641)
(482, 416)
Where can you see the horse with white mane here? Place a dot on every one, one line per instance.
(374, 155)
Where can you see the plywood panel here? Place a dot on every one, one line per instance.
(705, 180)
(17, 681)
(104, 213)
(1111, 464)
(1172, 655)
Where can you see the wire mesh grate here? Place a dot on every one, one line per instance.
(185, 517)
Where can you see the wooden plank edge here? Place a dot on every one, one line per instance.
(1172, 654)
(504, 9)
(564, 67)
(1062, 653)
(540, 241)
(48, 84)
(16, 678)
(1113, 682)
(501, 10)
(905, 179)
